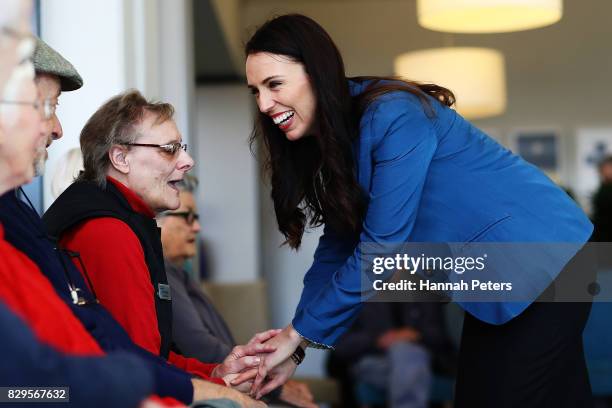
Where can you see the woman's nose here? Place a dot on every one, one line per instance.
(265, 102)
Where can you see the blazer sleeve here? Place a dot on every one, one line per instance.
(403, 144)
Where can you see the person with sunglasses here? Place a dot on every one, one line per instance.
(198, 329)
(179, 231)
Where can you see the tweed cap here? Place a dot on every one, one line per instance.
(47, 60)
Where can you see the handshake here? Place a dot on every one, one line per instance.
(246, 376)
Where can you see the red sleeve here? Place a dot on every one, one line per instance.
(196, 367)
(165, 402)
(115, 263)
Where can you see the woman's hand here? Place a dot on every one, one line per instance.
(275, 377)
(245, 360)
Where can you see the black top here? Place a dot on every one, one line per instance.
(86, 200)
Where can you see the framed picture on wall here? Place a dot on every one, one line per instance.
(540, 147)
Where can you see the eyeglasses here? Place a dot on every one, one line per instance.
(170, 148)
(189, 216)
(46, 107)
(11, 32)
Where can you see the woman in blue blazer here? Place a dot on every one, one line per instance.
(381, 161)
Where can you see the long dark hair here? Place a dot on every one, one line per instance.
(313, 178)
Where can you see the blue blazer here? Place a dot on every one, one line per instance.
(435, 179)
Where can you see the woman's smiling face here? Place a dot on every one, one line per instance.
(283, 92)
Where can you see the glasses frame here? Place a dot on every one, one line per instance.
(19, 35)
(46, 107)
(170, 148)
(190, 217)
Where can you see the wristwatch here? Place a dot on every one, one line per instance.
(298, 355)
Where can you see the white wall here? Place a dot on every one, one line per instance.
(227, 196)
(98, 55)
(176, 60)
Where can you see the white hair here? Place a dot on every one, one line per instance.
(13, 16)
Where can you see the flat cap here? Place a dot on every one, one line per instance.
(48, 61)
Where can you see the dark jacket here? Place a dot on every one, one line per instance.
(198, 330)
(25, 231)
(85, 200)
(602, 214)
(93, 382)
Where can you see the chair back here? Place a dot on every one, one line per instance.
(244, 307)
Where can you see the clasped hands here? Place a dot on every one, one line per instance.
(261, 365)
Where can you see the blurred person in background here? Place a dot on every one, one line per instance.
(198, 329)
(602, 203)
(395, 347)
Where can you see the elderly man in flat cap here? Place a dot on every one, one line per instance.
(54, 75)
(24, 230)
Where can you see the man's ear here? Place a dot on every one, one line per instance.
(118, 158)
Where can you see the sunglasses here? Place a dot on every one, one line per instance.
(189, 216)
